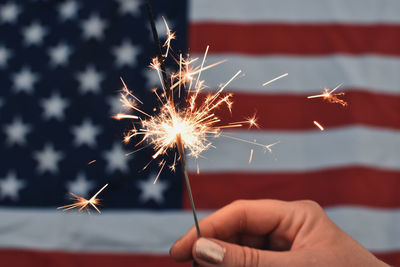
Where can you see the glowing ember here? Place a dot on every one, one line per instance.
(319, 125)
(83, 203)
(330, 97)
(93, 161)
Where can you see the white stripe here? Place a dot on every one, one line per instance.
(303, 151)
(155, 232)
(304, 11)
(378, 230)
(306, 74)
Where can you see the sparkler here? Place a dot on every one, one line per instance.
(330, 97)
(83, 203)
(187, 125)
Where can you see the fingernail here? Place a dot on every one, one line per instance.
(209, 251)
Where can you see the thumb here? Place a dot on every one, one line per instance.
(212, 252)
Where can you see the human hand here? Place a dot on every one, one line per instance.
(271, 233)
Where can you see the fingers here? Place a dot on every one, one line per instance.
(256, 217)
(211, 252)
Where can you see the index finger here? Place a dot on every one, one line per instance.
(256, 217)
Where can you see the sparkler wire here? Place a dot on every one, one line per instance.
(157, 41)
(183, 162)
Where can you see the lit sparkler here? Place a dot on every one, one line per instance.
(330, 96)
(83, 203)
(187, 125)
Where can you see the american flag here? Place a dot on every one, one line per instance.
(60, 64)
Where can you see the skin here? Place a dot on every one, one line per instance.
(275, 233)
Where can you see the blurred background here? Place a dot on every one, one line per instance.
(60, 69)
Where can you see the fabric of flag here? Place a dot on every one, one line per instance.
(60, 69)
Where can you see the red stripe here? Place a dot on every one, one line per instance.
(29, 258)
(296, 112)
(305, 39)
(345, 186)
(392, 258)
(33, 258)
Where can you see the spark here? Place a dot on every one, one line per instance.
(170, 36)
(93, 161)
(319, 125)
(251, 155)
(120, 116)
(83, 203)
(251, 121)
(330, 97)
(275, 79)
(188, 125)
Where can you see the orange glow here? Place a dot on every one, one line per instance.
(330, 97)
(82, 203)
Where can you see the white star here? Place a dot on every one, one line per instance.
(59, 55)
(24, 80)
(9, 13)
(5, 54)
(53, 107)
(34, 34)
(16, 132)
(48, 159)
(94, 27)
(149, 190)
(80, 186)
(10, 186)
(90, 80)
(126, 54)
(68, 10)
(129, 7)
(152, 78)
(86, 133)
(116, 159)
(115, 104)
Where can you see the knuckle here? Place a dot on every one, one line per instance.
(310, 206)
(251, 257)
(238, 203)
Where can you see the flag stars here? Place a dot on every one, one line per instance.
(93, 27)
(81, 186)
(54, 106)
(115, 104)
(5, 55)
(16, 132)
(129, 7)
(151, 191)
(152, 78)
(89, 80)
(34, 34)
(59, 55)
(126, 54)
(116, 159)
(68, 10)
(24, 80)
(10, 186)
(9, 12)
(48, 159)
(85, 134)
